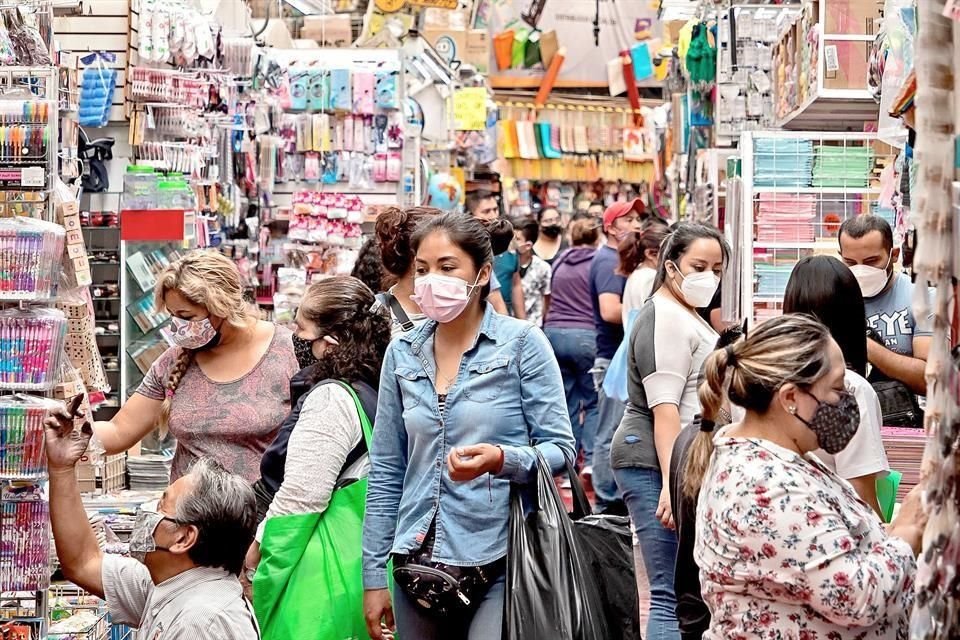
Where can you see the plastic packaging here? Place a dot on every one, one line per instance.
(550, 590)
(140, 188)
(21, 435)
(31, 345)
(31, 255)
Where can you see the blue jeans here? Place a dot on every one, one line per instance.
(641, 491)
(484, 624)
(575, 350)
(610, 413)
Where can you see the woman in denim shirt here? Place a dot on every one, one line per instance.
(465, 403)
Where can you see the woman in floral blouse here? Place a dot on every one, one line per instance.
(786, 549)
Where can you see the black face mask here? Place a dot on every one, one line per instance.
(834, 424)
(303, 350)
(551, 230)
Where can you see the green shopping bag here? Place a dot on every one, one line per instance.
(887, 487)
(309, 584)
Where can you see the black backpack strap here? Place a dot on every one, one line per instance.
(391, 301)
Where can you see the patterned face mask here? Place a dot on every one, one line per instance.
(196, 335)
(834, 424)
(303, 350)
(141, 537)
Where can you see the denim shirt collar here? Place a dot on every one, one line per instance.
(419, 336)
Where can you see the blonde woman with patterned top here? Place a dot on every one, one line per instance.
(223, 390)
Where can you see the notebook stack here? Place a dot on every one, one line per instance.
(847, 166)
(782, 162)
(786, 217)
(905, 454)
(149, 472)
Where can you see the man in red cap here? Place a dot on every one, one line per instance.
(606, 288)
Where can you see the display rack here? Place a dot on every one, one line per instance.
(28, 169)
(820, 66)
(795, 199)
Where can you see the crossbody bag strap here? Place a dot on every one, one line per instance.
(391, 300)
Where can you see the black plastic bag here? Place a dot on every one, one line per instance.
(606, 543)
(551, 593)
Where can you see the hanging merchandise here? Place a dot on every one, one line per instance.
(97, 84)
(21, 436)
(31, 346)
(331, 219)
(29, 47)
(31, 252)
(937, 261)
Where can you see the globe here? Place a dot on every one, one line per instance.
(443, 191)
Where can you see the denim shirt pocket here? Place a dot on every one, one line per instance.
(485, 379)
(414, 384)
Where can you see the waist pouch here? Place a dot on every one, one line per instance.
(443, 590)
(898, 404)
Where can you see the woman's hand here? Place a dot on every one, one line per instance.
(469, 463)
(911, 520)
(664, 513)
(250, 564)
(378, 611)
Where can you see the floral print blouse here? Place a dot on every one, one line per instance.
(788, 551)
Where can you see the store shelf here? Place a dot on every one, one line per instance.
(816, 190)
(827, 113)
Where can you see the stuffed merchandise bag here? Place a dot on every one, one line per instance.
(309, 583)
(606, 544)
(550, 590)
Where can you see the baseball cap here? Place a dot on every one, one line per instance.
(619, 209)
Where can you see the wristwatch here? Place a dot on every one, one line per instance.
(249, 573)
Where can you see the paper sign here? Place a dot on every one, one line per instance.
(470, 109)
(831, 59)
(32, 177)
(642, 63)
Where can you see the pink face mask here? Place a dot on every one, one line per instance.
(442, 298)
(195, 334)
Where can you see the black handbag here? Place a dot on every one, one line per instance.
(898, 404)
(442, 590)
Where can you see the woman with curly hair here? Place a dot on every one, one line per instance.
(222, 391)
(394, 229)
(341, 336)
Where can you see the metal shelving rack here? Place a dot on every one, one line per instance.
(830, 206)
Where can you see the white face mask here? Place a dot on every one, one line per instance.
(871, 279)
(698, 288)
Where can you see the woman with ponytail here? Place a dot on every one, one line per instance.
(222, 391)
(322, 447)
(786, 549)
(668, 344)
(639, 257)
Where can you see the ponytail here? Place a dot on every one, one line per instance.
(712, 395)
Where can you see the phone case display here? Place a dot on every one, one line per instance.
(798, 189)
(31, 254)
(31, 341)
(342, 123)
(144, 327)
(21, 435)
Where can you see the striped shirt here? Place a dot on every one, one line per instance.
(199, 604)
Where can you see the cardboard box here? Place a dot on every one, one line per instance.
(328, 31)
(477, 52)
(451, 44)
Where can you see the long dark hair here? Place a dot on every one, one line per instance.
(466, 232)
(633, 249)
(825, 288)
(343, 308)
(678, 243)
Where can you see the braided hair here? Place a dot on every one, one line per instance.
(210, 280)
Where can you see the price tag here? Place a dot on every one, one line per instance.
(32, 177)
(830, 58)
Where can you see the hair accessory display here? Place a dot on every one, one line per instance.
(31, 341)
(31, 252)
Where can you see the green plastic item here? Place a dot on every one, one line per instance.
(519, 52)
(309, 584)
(887, 487)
